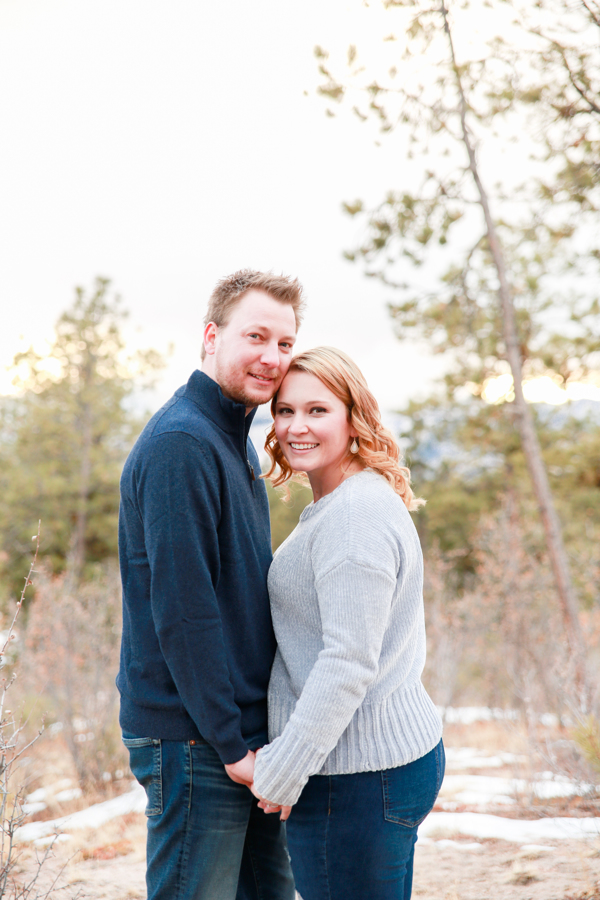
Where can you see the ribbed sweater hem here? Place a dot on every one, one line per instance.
(394, 732)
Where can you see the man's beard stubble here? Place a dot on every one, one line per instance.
(226, 382)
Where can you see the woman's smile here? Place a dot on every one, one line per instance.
(300, 447)
(314, 431)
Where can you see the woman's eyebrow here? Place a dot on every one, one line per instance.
(306, 402)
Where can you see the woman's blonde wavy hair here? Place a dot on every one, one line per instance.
(377, 448)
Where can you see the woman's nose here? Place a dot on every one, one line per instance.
(297, 425)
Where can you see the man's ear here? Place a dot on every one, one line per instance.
(210, 337)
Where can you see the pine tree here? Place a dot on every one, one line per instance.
(65, 435)
(492, 268)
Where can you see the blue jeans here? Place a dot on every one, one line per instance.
(207, 839)
(352, 837)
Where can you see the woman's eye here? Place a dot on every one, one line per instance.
(284, 411)
(318, 409)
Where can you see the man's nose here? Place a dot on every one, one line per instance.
(270, 355)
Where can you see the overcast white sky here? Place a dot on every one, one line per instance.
(164, 145)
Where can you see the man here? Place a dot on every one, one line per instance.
(198, 643)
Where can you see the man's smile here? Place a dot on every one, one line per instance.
(266, 379)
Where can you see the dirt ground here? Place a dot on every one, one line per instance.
(499, 870)
(113, 869)
(108, 863)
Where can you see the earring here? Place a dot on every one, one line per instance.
(354, 446)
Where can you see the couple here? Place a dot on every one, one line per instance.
(353, 745)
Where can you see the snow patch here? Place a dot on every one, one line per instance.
(30, 809)
(471, 758)
(468, 715)
(69, 794)
(489, 789)
(520, 831)
(93, 817)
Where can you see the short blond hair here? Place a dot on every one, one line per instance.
(230, 290)
(377, 448)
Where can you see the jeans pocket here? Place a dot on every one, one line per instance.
(145, 761)
(410, 792)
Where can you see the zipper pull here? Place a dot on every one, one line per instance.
(251, 470)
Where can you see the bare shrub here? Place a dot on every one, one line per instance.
(501, 642)
(587, 737)
(448, 631)
(13, 745)
(70, 658)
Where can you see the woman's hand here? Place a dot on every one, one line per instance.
(268, 807)
(273, 808)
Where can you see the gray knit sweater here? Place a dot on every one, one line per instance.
(346, 593)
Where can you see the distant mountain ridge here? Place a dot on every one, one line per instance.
(556, 416)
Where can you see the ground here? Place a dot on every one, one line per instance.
(108, 862)
(111, 867)
(503, 871)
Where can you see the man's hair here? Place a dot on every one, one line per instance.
(230, 290)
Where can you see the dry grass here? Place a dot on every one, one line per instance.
(505, 735)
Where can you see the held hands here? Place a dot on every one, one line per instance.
(267, 807)
(242, 772)
(271, 807)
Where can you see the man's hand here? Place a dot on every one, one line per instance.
(242, 771)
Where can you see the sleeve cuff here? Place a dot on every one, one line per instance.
(284, 766)
(232, 751)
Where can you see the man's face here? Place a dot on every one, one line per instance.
(249, 356)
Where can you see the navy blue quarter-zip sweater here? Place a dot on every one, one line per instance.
(195, 548)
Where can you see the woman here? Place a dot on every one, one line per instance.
(355, 741)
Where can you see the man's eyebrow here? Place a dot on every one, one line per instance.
(257, 327)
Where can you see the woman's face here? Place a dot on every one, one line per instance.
(312, 425)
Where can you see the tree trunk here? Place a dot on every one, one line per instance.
(85, 470)
(524, 418)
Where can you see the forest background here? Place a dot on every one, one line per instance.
(494, 101)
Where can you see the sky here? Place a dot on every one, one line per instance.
(166, 145)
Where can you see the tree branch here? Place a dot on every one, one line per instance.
(529, 439)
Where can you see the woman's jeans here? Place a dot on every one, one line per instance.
(352, 837)
(207, 839)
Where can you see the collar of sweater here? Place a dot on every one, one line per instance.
(227, 414)
(337, 493)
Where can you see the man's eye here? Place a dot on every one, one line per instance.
(254, 335)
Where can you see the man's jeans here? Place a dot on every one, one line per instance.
(207, 839)
(352, 837)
